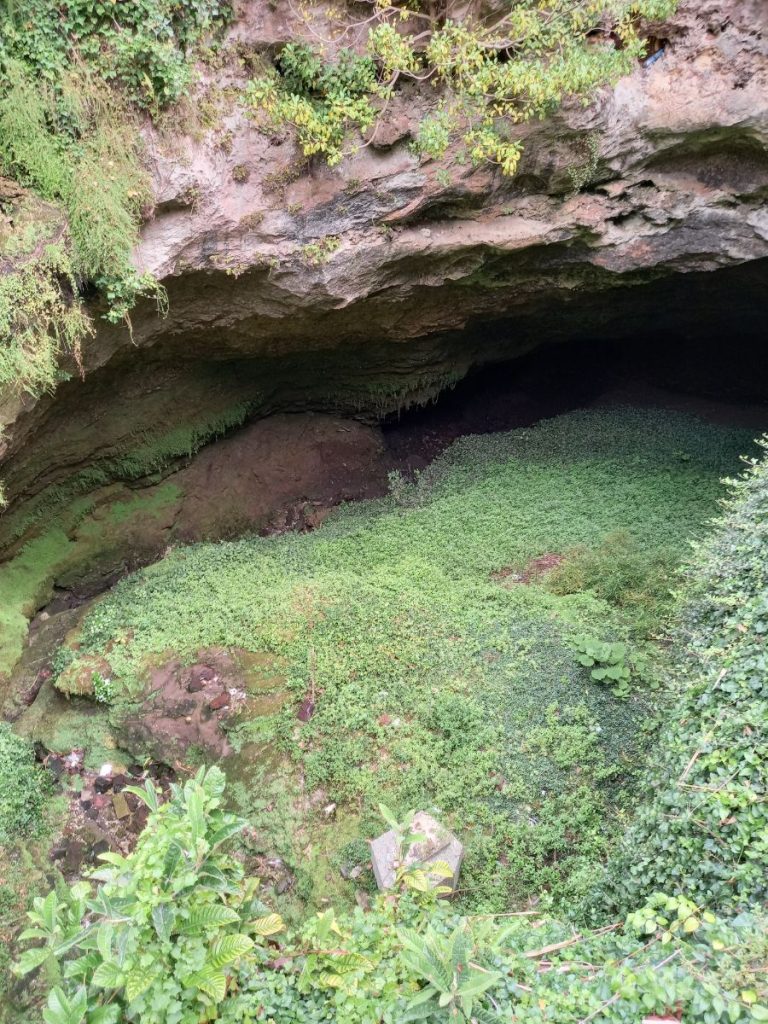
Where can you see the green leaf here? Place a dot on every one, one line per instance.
(137, 983)
(30, 959)
(61, 1010)
(269, 925)
(195, 814)
(108, 975)
(228, 948)
(210, 980)
(209, 917)
(225, 832)
(148, 794)
(163, 917)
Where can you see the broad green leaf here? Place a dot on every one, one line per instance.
(163, 917)
(108, 975)
(269, 925)
(148, 794)
(228, 948)
(209, 917)
(30, 959)
(137, 983)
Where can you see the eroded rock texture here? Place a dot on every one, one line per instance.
(667, 175)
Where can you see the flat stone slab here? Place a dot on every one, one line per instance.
(438, 844)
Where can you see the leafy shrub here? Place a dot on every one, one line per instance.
(172, 935)
(161, 937)
(488, 74)
(622, 569)
(24, 787)
(704, 835)
(607, 661)
(73, 139)
(319, 99)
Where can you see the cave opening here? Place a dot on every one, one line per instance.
(456, 595)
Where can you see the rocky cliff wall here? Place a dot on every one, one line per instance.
(666, 175)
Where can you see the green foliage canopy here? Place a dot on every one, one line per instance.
(488, 72)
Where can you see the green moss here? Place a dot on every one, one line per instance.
(437, 682)
(24, 585)
(78, 542)
(152, 454)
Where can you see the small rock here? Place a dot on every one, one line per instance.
(306, 710)
(437, 844)
(139, 819)
(222, 701)
(106, 769)
(102, 783)
(100, 801)
(56, 766)
(119, 782)
(69, 855)
(199, 675)
(363, 900)
(329, 810)
(102, 846)
(135, 770)
(283, 884)
(120, 805)
(356, 871)
(41, 751)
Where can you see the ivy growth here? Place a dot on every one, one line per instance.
(74, 81)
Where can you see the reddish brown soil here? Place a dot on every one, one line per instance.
(530, 573)
(278, 474)
(187, 706)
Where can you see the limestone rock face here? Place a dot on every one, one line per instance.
(666, 175)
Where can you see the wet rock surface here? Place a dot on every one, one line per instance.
(184, 710)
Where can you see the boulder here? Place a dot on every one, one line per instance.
(437, 844)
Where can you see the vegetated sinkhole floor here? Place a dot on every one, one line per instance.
(421, 649)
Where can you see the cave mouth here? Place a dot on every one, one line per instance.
(379, 614)
(708, 374)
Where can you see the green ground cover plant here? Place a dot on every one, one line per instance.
(24, 788)
(436, 682)
(705, 833)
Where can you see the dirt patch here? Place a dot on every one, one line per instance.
(280, 473)
(532, 572)
(102, 814)
(184, 709)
